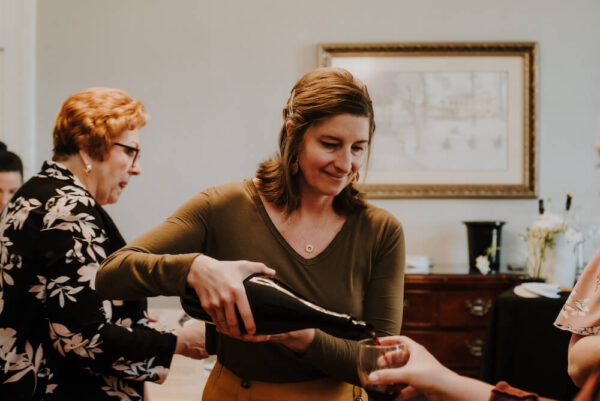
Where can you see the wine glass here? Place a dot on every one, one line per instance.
(373, 356)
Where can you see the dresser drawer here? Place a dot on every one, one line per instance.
(449, 315)
(428, 339)
(462, 349)
(466, 308)
(419, 308)
(455, 349)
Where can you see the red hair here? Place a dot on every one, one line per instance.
(91, 120)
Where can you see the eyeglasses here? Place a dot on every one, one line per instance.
(130, 151)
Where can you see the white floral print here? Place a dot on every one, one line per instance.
(53, 237)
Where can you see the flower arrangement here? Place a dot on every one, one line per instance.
(540, 237)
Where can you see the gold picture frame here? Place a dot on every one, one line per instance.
(454, 120)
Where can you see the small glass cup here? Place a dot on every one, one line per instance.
(371, 357)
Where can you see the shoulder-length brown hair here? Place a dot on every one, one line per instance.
(317, 96)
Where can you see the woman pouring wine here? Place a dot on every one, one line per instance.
(301, 215)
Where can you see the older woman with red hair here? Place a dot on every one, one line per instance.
(59, 339)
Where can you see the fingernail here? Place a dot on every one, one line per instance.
(373, 376)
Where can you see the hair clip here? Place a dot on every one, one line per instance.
(290, 108)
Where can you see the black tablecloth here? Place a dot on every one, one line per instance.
(525, 349)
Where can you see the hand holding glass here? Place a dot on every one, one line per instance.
(372, 357)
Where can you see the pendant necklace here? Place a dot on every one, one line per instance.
(308, 248)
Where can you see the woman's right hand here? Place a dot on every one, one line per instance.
(219, 286)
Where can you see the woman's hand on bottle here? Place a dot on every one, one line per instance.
(298, 341)
(219, 286)
(191, 341)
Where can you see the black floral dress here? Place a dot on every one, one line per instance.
(58, 339)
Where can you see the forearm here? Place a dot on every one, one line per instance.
(584, 354)
(133, 273)
(450, 386)
(157, 262)
(334, 356)
(135, 353)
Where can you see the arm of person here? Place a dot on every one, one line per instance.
(584, 354)
(580, 314)
(383, 297)
(169, 258)
(423, 374)
(80, 322)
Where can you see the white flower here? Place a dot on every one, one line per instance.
(7, 340)
(88, 273)
(483, 264)
(548, 222)
(573, 236)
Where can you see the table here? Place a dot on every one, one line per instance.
(525, 349)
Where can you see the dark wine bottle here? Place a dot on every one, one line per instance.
(278, 309)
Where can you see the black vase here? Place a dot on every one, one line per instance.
(484, 236)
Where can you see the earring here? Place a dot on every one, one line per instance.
(295, 167)
(356, 177)
(88, 168)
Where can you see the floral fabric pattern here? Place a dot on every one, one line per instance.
(581, 312)
(59, 340)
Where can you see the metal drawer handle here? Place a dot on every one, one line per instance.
(479, 307)
(475, 348)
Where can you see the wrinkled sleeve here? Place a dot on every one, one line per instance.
(383, 301)
(581, 312)
(504, 392)
(157, 263)
(79, 324)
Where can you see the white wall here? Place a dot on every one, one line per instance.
(214, 76)
(17, 79)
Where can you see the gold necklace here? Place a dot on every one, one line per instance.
(309, 247)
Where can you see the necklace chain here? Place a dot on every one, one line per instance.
(309, 246)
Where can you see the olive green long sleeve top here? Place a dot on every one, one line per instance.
(361, 272)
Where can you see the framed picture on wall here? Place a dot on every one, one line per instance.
(454, 120)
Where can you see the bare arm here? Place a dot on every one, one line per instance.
(423, 374)
(584, 356)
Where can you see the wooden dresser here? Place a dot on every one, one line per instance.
(449, 314)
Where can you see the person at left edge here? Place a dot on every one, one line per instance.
(11, 174)
(59, 340)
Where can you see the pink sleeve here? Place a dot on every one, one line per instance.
(581, 312)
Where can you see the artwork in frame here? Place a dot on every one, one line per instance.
(454, 120)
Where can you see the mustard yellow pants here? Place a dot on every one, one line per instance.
(223, 385)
